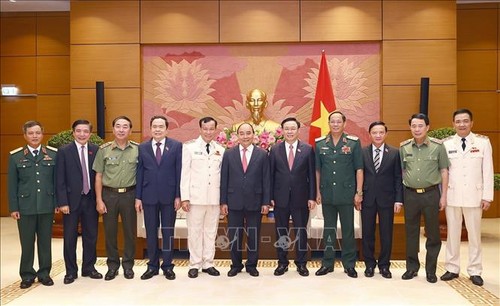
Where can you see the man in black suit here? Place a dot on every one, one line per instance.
(76, 200)
(158, 194)
(383, 196)
(293, 193)
(245, 195)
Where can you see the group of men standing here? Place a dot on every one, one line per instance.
(161, 175)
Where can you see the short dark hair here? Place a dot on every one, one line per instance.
(375, 123)
(337, 112)
(206, 120)
(238, 129)
(158, 117)
(81, 121)
(124, 118)
(462, 111)
(419, 116)
(31, 123)
(290, 119)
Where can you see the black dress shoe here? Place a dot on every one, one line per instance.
(169, 274)
(409, 274)
(149, 273)
(477, 280)
(93, 274)
(302, 269)
(46, 281)
(193, 273)
(252, 271)
(233, 271)
(324, 270)
(111, 274)
(448, 276)
(385, 273)
(369, 272)
(280, 270)
(351, 272)
(68, 279)
(26, 283)
(211, 271)
(128, 273)
(431, 278)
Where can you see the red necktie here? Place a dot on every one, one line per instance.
(244, 160)
(290, 157)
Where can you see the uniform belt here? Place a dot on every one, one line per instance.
(119, 190)
(423, 190)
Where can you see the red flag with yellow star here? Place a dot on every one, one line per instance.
(324, 103)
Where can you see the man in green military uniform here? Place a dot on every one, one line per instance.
(339, 175)
(115, 165)
(425, 166)
(31, 185)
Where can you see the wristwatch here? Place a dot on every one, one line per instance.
(359, 192)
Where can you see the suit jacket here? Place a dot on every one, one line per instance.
(471, 171)
(245, 190)
(159, 183)
(69, 178)
(31, 181)
(384, 186)
(293, 188)
(200, 175)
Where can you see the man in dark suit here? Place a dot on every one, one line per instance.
(158, 194)
(383, 196)
(245, 195)
(31, 184)
(293, 193)
(76, 200)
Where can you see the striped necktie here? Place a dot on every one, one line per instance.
(376, 160)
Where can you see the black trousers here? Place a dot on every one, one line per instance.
(300, 217)
(386, 223)
(238, 223)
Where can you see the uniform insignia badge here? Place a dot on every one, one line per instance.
(217, 153)
(346, 149)
(409, 154)
(474, 150)
(46, 157)
(198, 153)
(452, 151)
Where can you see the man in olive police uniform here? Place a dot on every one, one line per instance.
(339, 176)
(425, 166)
(115, 165)
(32, 202)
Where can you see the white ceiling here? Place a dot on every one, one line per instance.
(64, 5)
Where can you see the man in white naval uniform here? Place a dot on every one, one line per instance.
(470, 191)
(200, 194)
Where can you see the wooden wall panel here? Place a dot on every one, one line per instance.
(477, 70)
(118, 102)
(20, 71)
(17, 36)
(53, 74)
(400, 102)
(94, 22)
(394, 138)
(4, 202)
(180, 21)
(419, 19)
(53, 35)
(259, 21)
(405, 62)
(15, 112)
(341, 20)
(484, 107)
(53, 113)
(471, 23)
(116, 65)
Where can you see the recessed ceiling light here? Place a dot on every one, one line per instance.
(12, 0)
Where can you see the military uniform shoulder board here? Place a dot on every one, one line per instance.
(440, 141)
(104, 145)
(482, 136)
(448, 138)
(320, 138)
(16, 150)
(404, 143)
(190, 141)
(51, 148)
(352, 137)
(134, 143)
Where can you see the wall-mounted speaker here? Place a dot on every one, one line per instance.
(424, 95)
(100, 108)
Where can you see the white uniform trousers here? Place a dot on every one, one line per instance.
(202, 222)
(472, 216)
